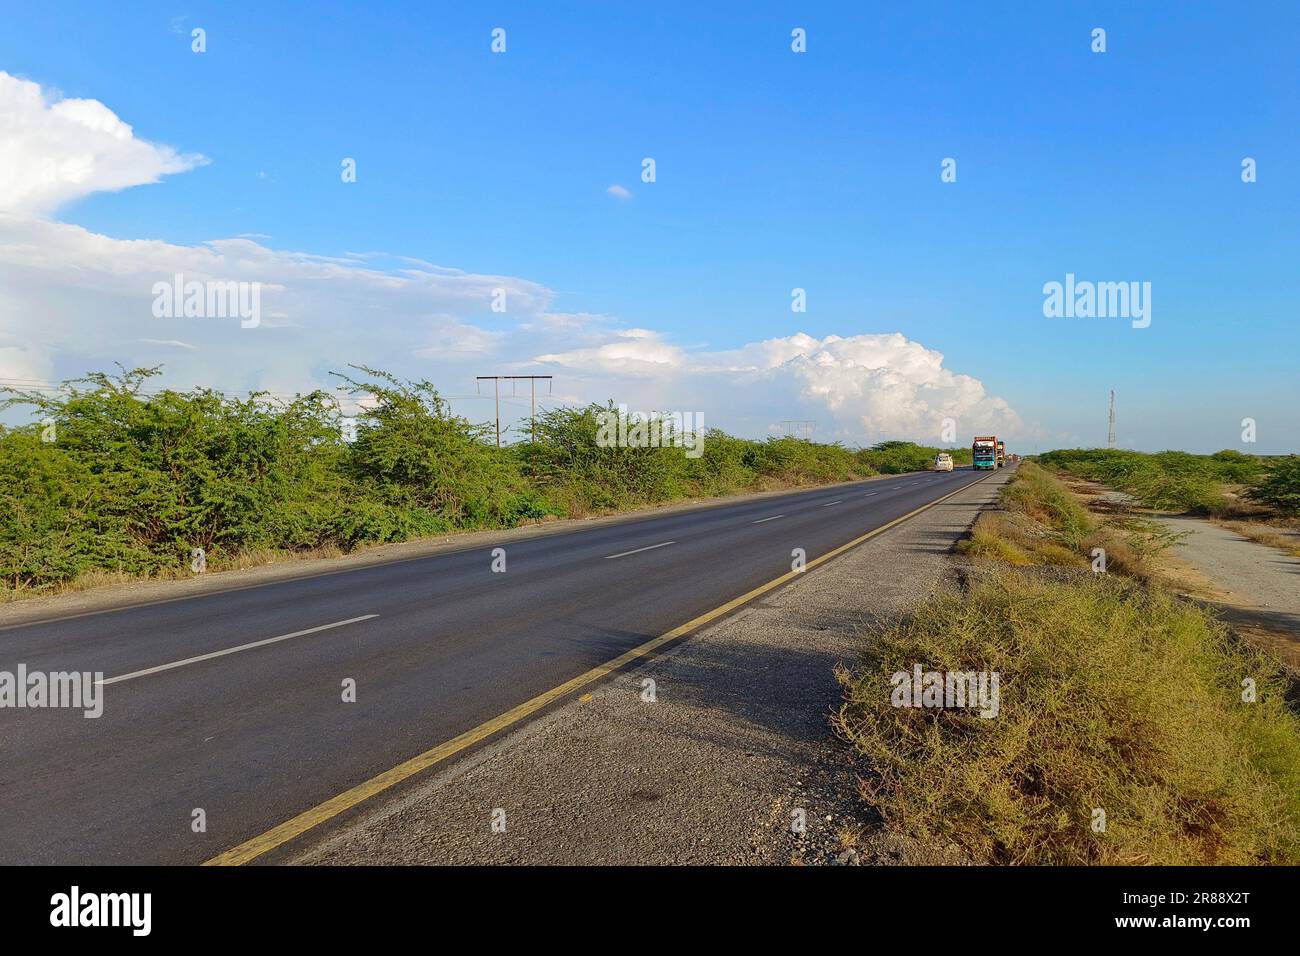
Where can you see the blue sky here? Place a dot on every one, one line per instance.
(775, 170)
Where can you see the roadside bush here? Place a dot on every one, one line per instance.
(569, 464)
(411, 453)
(1280, 488)
(1034, 492)
(1111, 696)
(796, 461)
(140, 480)
(1047, 524)
(1167, 481)
(134, 480)
(722, 467)
(52, 528)
(1238, 468)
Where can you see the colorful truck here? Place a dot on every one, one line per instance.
(1002, 453)
(984, 452)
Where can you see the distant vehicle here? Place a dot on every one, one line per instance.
(984, 452)
(1002, 453)
(943, 461)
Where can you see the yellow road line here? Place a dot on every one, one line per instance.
(296, 826)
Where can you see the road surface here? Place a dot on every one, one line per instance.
(231, 703)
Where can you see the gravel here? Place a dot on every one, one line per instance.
(1253, 587)
(1247, 573)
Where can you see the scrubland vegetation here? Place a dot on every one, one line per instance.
(1222, 484)
(1043, 523)
(1257, 497)
(1132, 727)
(113, 480)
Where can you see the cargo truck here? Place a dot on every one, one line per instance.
(984, 453)
(1002, 453)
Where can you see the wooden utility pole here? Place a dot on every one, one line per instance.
(532, 380)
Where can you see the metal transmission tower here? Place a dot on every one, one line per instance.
(805, 427)
(1110, 435)
(532, 380)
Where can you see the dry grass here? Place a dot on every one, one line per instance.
(1284, 539)
(1019, 540)
(240, 561)
(1046, 523)
(1113, 697)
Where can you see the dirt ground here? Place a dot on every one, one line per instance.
(1253, 587)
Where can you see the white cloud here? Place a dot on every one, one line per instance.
(78, 300)
(53, 151)
(449, 338)
(73, 301)
(618, 192)
(859, 388)
(634, 351)
(570, 321)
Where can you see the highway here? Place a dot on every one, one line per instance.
(231, 702)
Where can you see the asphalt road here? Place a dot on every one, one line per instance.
(252, 736)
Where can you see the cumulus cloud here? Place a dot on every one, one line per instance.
(56, 150)
(859, 388)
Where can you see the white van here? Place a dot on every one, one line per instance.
(943, 462)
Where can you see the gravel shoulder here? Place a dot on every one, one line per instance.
(735, 744)
(1254, 587)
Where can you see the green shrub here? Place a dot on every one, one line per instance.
(1280, 488)
(411, 452)
(1036, 493)
(572, 465)
(135, 480)
(1167, 481)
